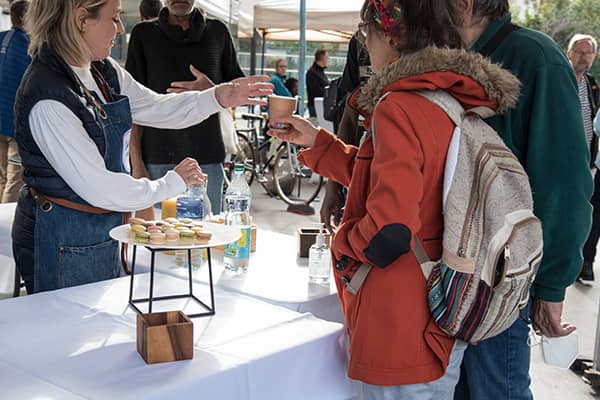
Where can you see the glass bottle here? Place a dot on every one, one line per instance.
(319, 260)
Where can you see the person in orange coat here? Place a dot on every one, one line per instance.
(395, 181)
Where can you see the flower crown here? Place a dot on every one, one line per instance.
(386, 18)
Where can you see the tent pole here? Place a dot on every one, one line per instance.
(264, 49)
(255, 37)
(302, 57)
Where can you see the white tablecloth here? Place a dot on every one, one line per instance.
(275, 275)
(7, 265)
(79, 343)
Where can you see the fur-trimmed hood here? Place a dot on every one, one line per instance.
(467, 76)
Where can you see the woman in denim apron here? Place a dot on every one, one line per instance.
(73, 118)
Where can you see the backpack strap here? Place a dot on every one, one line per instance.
(446, 102)
(498, 38)
(373, 116)
(6, 41)
(482, 112)
(456, 113)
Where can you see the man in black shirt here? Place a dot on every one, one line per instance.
(174, 47)
(316, 80)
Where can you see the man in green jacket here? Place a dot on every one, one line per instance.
(545, 132)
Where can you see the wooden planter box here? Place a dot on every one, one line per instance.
(165, 336)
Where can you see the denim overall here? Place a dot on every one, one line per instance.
(73, 247)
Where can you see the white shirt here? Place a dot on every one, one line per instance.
(61, 137)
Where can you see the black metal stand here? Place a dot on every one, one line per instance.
(209, 310)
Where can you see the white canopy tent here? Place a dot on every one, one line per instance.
(333, 20)
(279, 19)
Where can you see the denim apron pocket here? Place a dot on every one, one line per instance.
(82, 264)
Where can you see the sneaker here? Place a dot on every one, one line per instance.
(587, 271)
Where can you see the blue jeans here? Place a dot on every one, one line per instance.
(440, 389)
(215, 181)
(498, 368)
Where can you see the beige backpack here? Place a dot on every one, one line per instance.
(492, 242)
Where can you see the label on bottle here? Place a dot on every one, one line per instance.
(190, 207)
(241, 248)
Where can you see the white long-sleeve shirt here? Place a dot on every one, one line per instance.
(61, 137)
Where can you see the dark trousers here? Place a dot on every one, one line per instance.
(589, 249)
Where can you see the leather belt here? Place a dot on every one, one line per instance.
(45, 203)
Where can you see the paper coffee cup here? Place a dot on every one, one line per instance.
(280, 107)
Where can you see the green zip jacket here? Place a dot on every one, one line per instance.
(545, 132)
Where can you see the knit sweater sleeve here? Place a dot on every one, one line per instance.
(557, 162)
(231, 66)
(136, 63)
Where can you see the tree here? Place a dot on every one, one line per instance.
(561, 19)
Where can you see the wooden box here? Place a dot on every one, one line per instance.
(307, 237)
(165, 336)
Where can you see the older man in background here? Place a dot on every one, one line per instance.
(581, 52)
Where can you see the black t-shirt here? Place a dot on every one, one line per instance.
(160, 53)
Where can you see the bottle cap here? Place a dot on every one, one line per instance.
(238, 167)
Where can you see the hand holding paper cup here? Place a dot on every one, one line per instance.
(280, 107)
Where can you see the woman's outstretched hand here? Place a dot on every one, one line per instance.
(301, 131)
(244, 91)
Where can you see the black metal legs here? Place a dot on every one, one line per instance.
(210, 310)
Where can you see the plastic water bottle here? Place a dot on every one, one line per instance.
(193, 204)
(238, 198)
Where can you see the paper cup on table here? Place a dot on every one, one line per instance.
(280, 107)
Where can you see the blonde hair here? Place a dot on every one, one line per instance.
(52, 22)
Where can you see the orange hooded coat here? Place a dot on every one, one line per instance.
(395, 191)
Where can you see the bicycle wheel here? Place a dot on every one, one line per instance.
(294, 182)
(245, 155)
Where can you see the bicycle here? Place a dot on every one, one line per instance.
(280, 173)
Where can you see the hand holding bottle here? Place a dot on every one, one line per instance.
(190, 172)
